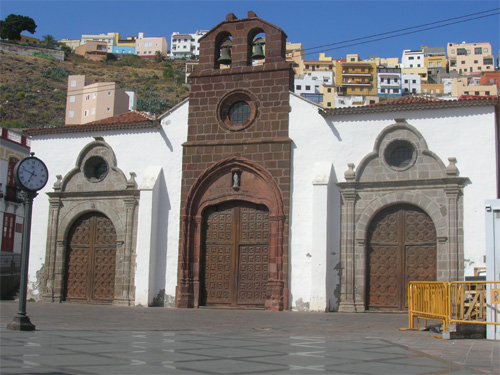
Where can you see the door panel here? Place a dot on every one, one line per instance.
(91, 260)
(401, 248)
(235, 255)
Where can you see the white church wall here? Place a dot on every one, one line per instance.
(465, 133)
(135, 150)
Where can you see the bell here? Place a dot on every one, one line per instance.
(225, 55)
(258, 53)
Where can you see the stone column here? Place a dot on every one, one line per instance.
(51, 249)
(347, 251)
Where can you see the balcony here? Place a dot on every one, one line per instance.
(351, 83)
(356, 74)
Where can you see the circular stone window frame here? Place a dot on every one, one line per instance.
(389, 149)
(226, 103)
(89, 168)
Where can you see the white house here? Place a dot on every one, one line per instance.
(185, 45)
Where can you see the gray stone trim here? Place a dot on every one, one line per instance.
(427, 184)
(73, 196)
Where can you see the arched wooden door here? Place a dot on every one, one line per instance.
(401, 248)
(235, 255)
(91, 260)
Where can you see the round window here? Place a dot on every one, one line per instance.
(239, 113)
(400, 155)
(237, 110)
(95, 169)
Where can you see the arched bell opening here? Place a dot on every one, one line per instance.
(256, 50)
(223, 50)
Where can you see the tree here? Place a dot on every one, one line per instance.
(48, 41)
(14, 24)
(159, 57)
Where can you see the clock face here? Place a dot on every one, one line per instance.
(31, 174)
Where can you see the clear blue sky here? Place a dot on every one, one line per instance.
(313, 23)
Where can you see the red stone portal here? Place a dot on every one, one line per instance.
(238, 153)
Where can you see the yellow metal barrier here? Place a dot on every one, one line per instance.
(429, 301)
(470, 302)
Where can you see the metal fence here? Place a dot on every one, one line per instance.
(462, 302)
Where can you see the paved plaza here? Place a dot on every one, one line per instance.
(100, 339)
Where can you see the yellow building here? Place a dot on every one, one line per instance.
(422, 72)
(461, 87)
(295, 55)
(389, 62)
(328, 92)
(323, 64)
(432, 88)
(30, 40)
(356, 77)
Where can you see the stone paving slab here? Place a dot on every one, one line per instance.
(100, 339)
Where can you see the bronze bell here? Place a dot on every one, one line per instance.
(225, 55)
(258, 51)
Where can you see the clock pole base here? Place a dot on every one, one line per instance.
(21, 323)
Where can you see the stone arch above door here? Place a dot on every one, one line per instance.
(231, 180)
(399, 170)
(95, 184)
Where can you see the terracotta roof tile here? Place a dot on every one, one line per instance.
(128, 120)
(408, 99)
(413, 103)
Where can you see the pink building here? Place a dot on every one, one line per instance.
(87, 103)
(92, 50)
(147, 47)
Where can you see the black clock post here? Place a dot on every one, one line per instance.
(38, 175)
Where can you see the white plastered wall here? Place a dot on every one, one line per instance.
(135, 151)
(465, 133)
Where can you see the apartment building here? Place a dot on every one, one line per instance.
(71, 43)
(356, 77)
(470, 57)
(13, 147)
(294, 53)
(389, 62)
(468, 86)
(185, 45)
(125, 46)
(86, 103)
(411, 83)
(412, 59)
(147, 47)
(388, 81)
(92, 50)
(109, 38)
(435, 62)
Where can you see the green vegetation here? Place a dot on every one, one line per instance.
(33, 90)
(13, 25)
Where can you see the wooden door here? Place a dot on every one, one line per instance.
(401, 248)
(91, 260)
(235, 255)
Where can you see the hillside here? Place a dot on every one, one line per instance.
(33, 89)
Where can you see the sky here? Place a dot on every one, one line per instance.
(313, 23)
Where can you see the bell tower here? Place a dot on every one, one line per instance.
(237, 154)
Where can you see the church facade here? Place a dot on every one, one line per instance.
(249, 196)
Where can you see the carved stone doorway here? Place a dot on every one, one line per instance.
(401, 248)
(91, 260)
(235, 255)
